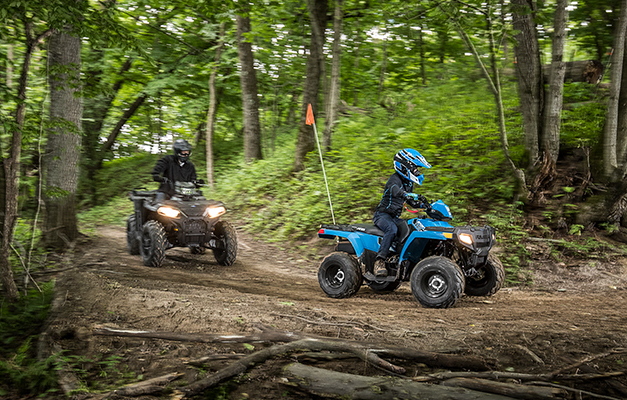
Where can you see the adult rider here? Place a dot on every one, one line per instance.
(174, 168)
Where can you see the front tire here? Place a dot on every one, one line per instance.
(489, 280)
(227, 242)
(437, 282)
(339, 275)
(154, 244)
(132, 242)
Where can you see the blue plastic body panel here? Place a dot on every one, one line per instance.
(413, 246)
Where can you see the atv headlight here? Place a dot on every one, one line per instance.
(214, 211)
(169, 212)
(465, 238)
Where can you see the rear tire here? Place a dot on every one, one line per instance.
(227, 236)
(154, 244)
(132, 242)
(339, 275)
(490, 279)
(437, 282)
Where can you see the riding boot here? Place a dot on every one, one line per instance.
(379, 268)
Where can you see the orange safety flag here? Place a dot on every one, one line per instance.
(309, 120)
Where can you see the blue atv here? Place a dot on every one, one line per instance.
(441, 261)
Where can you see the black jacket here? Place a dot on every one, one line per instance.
(394, 195)
(170, 168)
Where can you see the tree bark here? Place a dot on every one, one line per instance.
(341, 385)
(248, 83)
(61, 161)
(150, 386)
(305, 142)
(516, 391)
(529, 75)
(554, 98)
(614, 143)
(333, 99)
(622, 104)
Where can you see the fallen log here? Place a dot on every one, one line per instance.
(262, 337)
(578, 392)
(518, 376)
(357, 387)
(267, 335)
(242, 365)
(440, 360)
(149, 386)
(516, 391)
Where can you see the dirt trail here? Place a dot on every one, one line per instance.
(192, 293)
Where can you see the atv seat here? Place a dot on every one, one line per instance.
(365, 228)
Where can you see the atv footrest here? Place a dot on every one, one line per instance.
(371, 277)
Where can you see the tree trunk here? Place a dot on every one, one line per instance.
(529, 75)
(11, 167)
(305, 142)
(333, 100)
(615, 146)
(248, 82)
(211, 111)
(64, 140)
(554, 99)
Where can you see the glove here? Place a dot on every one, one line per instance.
(412, 196)
(157, 178)
(417, 200)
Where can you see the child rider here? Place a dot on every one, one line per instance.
(398, 190)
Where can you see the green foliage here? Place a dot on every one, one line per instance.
(105, 372)
(114, 212)
(20, 324)
(583, 125)
(118, 176)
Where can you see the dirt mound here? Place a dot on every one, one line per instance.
(562, 324)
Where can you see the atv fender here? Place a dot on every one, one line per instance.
(358, 240)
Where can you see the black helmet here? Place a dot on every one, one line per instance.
(182, 149)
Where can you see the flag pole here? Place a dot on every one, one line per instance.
(309, 120)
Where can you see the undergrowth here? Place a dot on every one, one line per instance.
(20, 325)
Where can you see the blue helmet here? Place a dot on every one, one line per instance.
(408, 162)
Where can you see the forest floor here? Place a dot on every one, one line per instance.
(572, 318)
